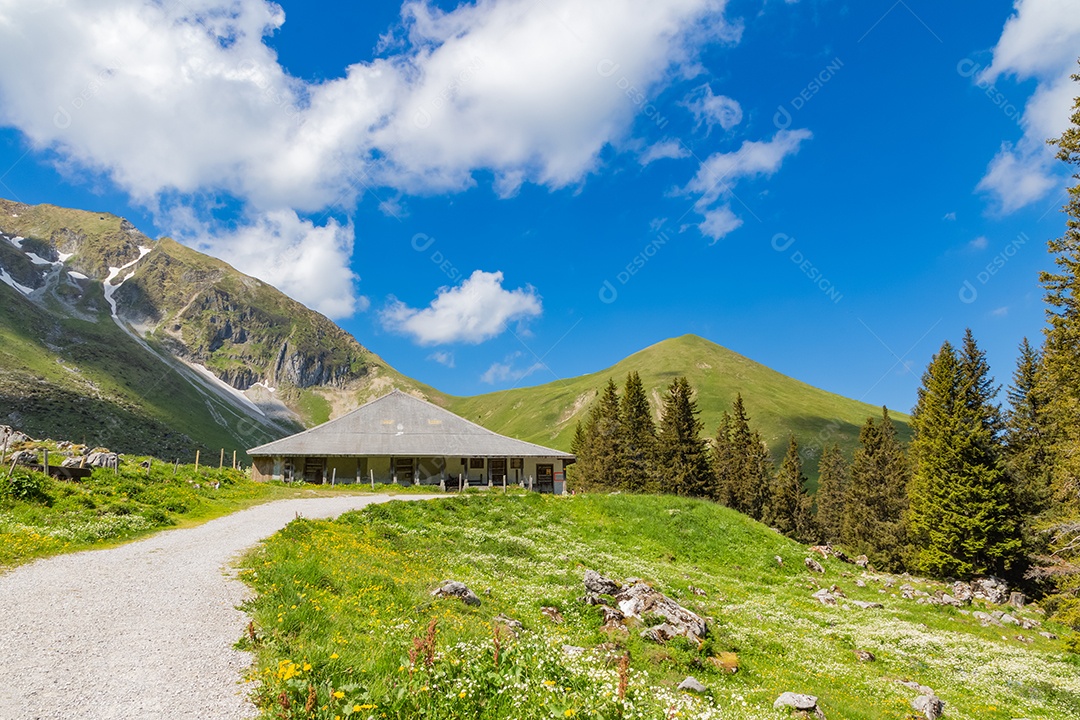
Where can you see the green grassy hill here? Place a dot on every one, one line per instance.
(344, 612)
(777, 405)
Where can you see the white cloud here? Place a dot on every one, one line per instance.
(719, 222)
(663, 150)
(1002, 311)
(949, 216)
(477, 310)
(721, 172)
(506, 371)
(186, 101)
(443, 358)
(1038, 41)
(710, 110)
(307, 262)
(979, 243)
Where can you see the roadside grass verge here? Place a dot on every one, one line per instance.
(41, 516)
(344, 624)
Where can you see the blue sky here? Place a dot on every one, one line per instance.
(507, 193)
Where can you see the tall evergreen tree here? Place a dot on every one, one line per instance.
(788, 506)
(741, 463)
(682, 463)
(724, 462)
(638, 441)
(961, 518)
(1059, 381)
(598, 449)
(876, 497)
(832, 486)
(1027, 446)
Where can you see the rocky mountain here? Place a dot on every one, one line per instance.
(124, 316)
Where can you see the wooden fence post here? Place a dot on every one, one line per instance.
(46, 461)
(197, 460)
(371, 471)
(233, 459)
(221, 462)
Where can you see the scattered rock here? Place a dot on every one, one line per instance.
(813, 565)
(612, 618)
(1017, 599)
(946, 599)
(800, 702)
(72, 462)
(9, 436)
(860, 583)
(597, 583)
(690, 684)
(573, 650)
(592, 599)
(863, 562)
(1048, 635)
(1007, 619)
(453, 588)
(698, 591)
(824, 597)
(867, 605)
(930, 705)
(962, 592)
(640, 599)
(1024, 638)
(835, 590)
(889, 582)
(24, 457)
(922, 689)
(1028, 624)
(864, 656)
(514, 626)
(985, 618)
(552, 614)
(822, 550)
(991, 589)
(103, 460)
(779, 560)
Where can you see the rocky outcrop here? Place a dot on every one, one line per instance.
(453, 588)
(635, 600)
(805, 705)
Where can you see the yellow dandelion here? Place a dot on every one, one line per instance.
(334, 656)
(338, 694)
(462, 694)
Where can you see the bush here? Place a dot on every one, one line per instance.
(1067, 612)
(26, 486)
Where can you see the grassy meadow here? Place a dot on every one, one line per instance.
(42, 516)
(345, 625)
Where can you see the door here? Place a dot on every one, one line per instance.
(403, 470)
(497, 468)
(545, 478)
(314, 470)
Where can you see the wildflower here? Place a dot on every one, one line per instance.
(570, 712)
(307, 666)
(462, 694)
(356, 708)
(334, 656)
(338, 694)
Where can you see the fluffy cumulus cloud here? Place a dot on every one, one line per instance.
(720, 173)
(185, 100)
(477, 310)
(305, 261)
(1040, 42)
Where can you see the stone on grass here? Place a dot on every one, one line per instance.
(1017, 599)
(930, 705)
(864, 655)
(866, 605)
(799, 702)
(1048, 635)
(779, 560)
(824, 597)
(103, 460)
(690, 684)
(597, 583)
(697, 591)
(453, 588)
(862, 561)
(514, 626)
(813, 565)
(573, 650)
(991, 589)
(962, 591)
(24, 457)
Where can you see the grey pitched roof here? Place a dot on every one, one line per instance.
(401, 425)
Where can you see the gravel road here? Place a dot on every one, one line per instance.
(145, 630)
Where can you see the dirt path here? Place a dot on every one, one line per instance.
(145, 630)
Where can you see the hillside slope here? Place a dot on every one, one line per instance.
(777, 404)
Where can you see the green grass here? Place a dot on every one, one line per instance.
(778, 405)
(340, 604)
(42, 516)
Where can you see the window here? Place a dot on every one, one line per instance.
(517, 463)
(476, 463)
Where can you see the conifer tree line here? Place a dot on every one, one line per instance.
(979, 490)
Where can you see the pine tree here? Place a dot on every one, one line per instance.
(832, 486)
(876, 497)
(741, 463)
(1027, 447)
(961, 518)
(788, 506)
(598, 447)
(682, 463)
(1059, 381)
(638, 440)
